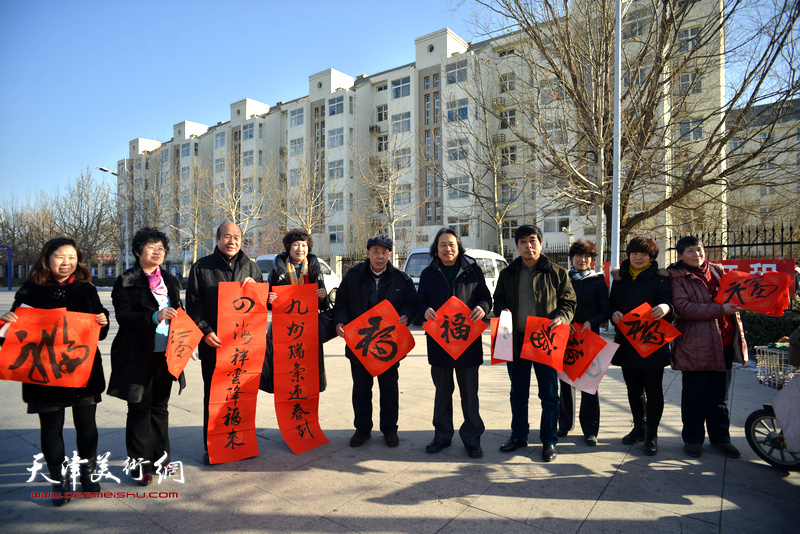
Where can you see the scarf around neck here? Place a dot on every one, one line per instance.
(575, 274)
(156, 282)
(291, 272)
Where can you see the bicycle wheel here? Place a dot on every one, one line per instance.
(766, 439)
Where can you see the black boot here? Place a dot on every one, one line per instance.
(60, 489)
(87, 470)
(651, 441)
(636, 435)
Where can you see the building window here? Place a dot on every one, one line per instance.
(383, 143)
(508, 119)
(507, 82)
(508, 155)
(335, 106)
(437, 211)
(294, 177)
(261, 157)
(506, 192)
(433, 182)
(219, 140)
(436, 80)
(381, 87)
(507, 52)
(690, 83)
(336, 169)
(184, 173)
(456, 72)
(457, 110)
(767, 163)
(296, 117)
(427, 109)
(336, 201)
(383, 112)
(402, 195)
(186, 150)
(401, 87)
(336, 234)
(247, 186)
(402, 158)
(219, 165)
(635, 24)
(509, 227)
(296, 147)
(247, 158)
(401, 122)
(459, 187)
(460, 225)
(352, 104)
(688, 39)
(554, 91)
(335, 137)
(247, 132)
(428, 145)
(457, 149)
(554, 132)
(437, 144)
(261, 130)
(427, 82)
(556, 221)
(691, 129)
(766, 190)
(437, 108)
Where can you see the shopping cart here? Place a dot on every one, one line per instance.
(762, 428)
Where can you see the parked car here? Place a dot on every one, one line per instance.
(490, 263)
(331, 280)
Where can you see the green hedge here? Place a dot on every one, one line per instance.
(762, 329)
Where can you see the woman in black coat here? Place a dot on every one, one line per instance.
(593, 309)
(452, 273)
(60, 280)
(145, 298)
(636, 281)
(295, 265)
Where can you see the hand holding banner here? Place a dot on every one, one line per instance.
(582, 347)
(644, 332)
(378, 338)
(766, 293)
(453, 329)
(545, 344)
(184, 336)
(596, 371)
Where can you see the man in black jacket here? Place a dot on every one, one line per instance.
(532, 286)
(364, 286)
(226, 264)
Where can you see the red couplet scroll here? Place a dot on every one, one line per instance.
(242, 330)
(378, 339)
(644, 332)
(766, 293)
(50, 347)
(453, 329)
(582, 348)
(544, 344)
(184, 336)
(295, 341)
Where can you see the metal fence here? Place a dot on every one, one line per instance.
(752, 243)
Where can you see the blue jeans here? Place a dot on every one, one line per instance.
(519, 371)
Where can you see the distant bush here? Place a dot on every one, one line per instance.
(761, 329)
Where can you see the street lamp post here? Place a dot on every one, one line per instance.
(121, 250)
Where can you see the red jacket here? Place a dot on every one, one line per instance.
(699, 347)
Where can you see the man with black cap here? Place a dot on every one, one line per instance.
(364, 286)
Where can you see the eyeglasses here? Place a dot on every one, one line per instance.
(62, 257)
(155, 249)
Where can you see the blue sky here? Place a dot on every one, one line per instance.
(81, 79)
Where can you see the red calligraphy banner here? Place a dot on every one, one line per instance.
(545, 344)
(184, 336)
(50, 347)
(295, 341)
(582, 347)
(242, 330)
(453, 329)
(644, 332)
(378, 338)
(766, 293)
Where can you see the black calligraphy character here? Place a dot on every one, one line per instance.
(302, 429)
(243, 334)
(297, 374)
(758, 289)
(648, 332)
(543, 339)
(241, 302)
(67, 364)
(179, 349)
(300, 310)
(573, 352)
(297, 351)
(298, 412)
(236, 375)
(35, 351)
(240, 356)
(232, 443)
(296, 393)
(233, 394)
(735, 290)
(295, 328)
(384, 349)
(455, 327)
(233, 417)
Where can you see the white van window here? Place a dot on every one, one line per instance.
(264, 265)
(501, 264)
(416, 263)
(487, 266)
(324, 268)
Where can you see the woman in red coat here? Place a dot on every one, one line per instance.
(711, 340)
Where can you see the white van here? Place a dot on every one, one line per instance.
(331, 280)
(491, 263)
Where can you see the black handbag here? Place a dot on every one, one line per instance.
(327, 330)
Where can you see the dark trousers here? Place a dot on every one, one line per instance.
(362, 398)
(703, 404)
(207, 365)
(589, 414)
(52, 438)
(146, 429)
(519, 371)
(472, 428)
(645, 394)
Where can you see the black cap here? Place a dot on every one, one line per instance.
(382, 240)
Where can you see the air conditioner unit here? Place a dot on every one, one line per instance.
(374, 129)
(499, 102)
(499, 138)
(282, 150)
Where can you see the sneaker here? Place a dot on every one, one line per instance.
(695, 450)
(728, 450)
(392, 440)
(358, 440)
